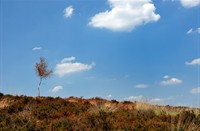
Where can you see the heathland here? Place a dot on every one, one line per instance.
(94, 114)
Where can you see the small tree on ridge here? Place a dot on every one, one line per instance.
(42, 71)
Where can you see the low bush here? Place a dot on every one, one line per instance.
(27, 113)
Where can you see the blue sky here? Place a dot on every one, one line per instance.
(124, 50)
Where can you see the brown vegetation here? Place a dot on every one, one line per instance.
(42, 71)
(48, 113)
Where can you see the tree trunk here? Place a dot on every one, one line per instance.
(39, 87)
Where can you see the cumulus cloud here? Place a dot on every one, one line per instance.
(192, 31)
(66, 66)
(36, 48)
(125, 15)
(68, 12)
(190, 3)
(172, 81)
(195, 90)
(141, 86)
(57, 89)
(166, 77)
(194, 62)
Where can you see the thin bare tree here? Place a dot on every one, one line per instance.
(42, 71)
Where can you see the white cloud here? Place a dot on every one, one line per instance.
(192, 31)
(57, 89)
(172, 81)
(190, 3)
(195, 90)
(68, 11)
(36, 48)
(67, 67)
(194, 62)
(198, 30)
(189, 31)
(156, 100)
(141, 86)
(125, 15)
(166, 77)
(148, 100)
(109, 96)
(68, 59)
(135, 98)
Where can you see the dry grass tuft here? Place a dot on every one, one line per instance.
(5, 102)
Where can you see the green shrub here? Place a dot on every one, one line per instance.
(62, 124)
(101, 121)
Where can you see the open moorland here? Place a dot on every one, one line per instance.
(95, 114)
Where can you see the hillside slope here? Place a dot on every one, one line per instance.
(47, 113)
